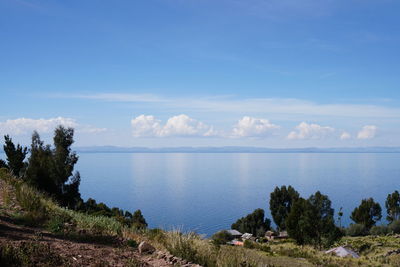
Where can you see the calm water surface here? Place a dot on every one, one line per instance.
(208, 192)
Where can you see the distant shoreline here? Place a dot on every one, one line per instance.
(109, 149)
(235, 150)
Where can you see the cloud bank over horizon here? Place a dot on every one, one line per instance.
(183, 126)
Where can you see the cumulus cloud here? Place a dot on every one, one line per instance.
(310, 131)
(253, 127)
(367, 132)
(145, 126)
(345, 136)
(180, 125)
(23, 126)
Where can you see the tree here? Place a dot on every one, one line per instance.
(38, 172)
(51, 170)
(3, 164)
(254, 223)
(368, 213)
(392, 205)
(280, 203)
(15, 155)
(311, 221)
(63, 165)
(138, 221)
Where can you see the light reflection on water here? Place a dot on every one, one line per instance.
(208, 192)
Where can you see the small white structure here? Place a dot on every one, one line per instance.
(235, 233)
(246, 236)
(342, 252)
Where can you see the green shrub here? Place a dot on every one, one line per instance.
(29, 254)
(132, 243)
(356, 230)
(58, 221)
(191, 247)
(32, 202)
(221, 238)
(379, 230)
(394, 227)
(155, 234)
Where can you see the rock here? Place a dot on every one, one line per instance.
(146, 248)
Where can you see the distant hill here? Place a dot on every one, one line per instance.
(231, 149)
(234, 149)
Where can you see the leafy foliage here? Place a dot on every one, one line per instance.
(394, 227)
(138, 220)
(280, 203)
(15, 156)
(51, 170)
(254, 223)
(311, 221)
(392, 205)
(221, 237)
(368, 213)
(3, 164)
(379, 230)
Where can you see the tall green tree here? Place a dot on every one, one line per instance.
(51, 170)
(368, 213)
(3, 164)
(312, 222)
(15, 155)
(64, 161)
(254, 223)
(280, 203)
(392, 205)
(38, 172)
(138, 221)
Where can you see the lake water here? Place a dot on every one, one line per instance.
(208, 192)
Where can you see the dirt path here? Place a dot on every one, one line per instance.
(68, 251)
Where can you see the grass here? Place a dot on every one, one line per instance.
(29, 254)
(40, 210)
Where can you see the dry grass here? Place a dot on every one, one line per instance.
(192, 247)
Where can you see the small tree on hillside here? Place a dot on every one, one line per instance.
(368, 213)
(311, 221)
(38, 172)
(51, 170)
(138, 221)
(392, 205)
(254, 223)
(15, 155)
(280, 203)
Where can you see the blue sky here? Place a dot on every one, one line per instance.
(271, 73)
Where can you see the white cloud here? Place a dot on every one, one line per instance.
(310, 131)
(367, 132)
(345, 136)
(145, 126)
(180, 125)
(253, 127)
(22, 126)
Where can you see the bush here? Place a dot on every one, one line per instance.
(155, 234)
(29, 254)
(394, 227)
(57, 223)
(356, 230)
(32, 202)
(132, 243)
(379, 230)
(191, 247)
(221, 238)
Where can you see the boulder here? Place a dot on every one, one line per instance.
(146, 248)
